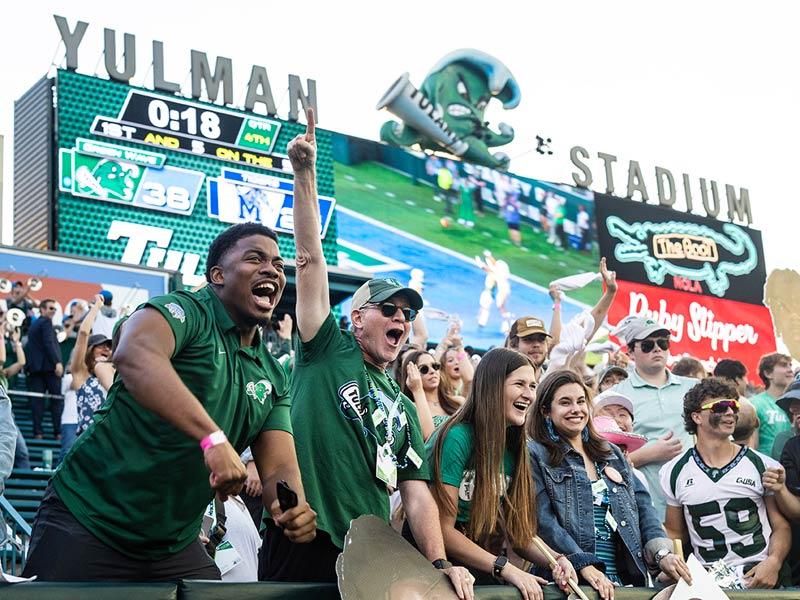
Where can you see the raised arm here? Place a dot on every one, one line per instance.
(313, 301)
(143, 361)
(555, 322)
(600, 310)
(77, 364)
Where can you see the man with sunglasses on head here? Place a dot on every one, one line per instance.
(715, 495)
(357, 436)
(657, 397)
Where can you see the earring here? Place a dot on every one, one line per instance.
(585, 434)
(551, 431)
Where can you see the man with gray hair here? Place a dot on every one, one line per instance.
(357, 436)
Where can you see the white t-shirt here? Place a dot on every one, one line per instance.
(243, 536)
(69, 416)
(724, 508)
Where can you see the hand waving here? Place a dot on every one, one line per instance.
(609, 277)
(413, 378)
(302, 150)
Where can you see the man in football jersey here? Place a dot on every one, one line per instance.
(714, 492)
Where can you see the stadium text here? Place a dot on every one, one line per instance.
(666, 188)
(259, 92)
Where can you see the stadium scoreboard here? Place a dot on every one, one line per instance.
(150, 178)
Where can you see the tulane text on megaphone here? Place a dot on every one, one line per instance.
(409, 104)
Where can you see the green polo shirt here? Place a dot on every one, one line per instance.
(342, 411)
(138, 483)
(773, 420)
(657, 411)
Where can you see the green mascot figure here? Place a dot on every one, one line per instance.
(447, 112)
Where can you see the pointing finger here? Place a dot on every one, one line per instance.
(310, 125)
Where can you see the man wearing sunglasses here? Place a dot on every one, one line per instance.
(657, 396)
(357, 436)
(715, 496)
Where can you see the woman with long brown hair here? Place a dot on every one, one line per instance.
(423, 384)
(591, 505)
(482, 480)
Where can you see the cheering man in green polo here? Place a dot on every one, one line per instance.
(195, 387)
(358, 437)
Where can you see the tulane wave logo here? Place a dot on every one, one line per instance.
(687, 242)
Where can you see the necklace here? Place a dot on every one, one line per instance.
(388, 417)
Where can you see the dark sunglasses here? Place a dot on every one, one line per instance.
(389, 310)
(721, 406)
(425, 369)
(648, 345)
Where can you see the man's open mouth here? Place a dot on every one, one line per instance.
(395, 335)
(265, 294)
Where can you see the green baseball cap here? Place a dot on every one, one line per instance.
(378, 290)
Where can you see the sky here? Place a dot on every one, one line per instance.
(704, 88)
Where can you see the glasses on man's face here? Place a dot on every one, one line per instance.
(425, 369)
(389, 310)
(721, 406)
(648, 345)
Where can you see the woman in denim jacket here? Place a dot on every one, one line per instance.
(591, 507)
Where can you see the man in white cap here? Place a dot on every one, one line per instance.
(657, 398)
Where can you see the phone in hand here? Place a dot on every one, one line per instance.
(287, 498)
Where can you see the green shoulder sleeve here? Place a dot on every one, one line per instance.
(183, 315)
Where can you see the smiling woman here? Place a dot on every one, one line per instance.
(578, 474)
(482, 480)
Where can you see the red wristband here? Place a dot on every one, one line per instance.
(213, 439)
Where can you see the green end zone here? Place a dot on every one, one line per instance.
(392, 198)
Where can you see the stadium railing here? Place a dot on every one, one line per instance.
(212, 590)
(15, 539)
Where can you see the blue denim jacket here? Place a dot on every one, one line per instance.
(565, 511)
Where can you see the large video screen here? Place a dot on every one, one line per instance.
(485, 243)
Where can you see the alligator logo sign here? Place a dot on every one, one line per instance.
(646, 244)
(447, 112)
(675, 242)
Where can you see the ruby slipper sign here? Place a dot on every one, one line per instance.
(705, 327)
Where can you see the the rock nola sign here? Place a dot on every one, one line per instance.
(703, 279)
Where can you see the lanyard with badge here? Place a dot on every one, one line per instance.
(600, 498)
(386, 412)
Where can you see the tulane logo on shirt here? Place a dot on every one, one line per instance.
(350, 401)
(259, 390)
(176, 310)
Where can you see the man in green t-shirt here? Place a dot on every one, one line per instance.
(358, 436)
(128, 500)
(775, 370)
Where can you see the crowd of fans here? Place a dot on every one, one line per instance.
(521, 465)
